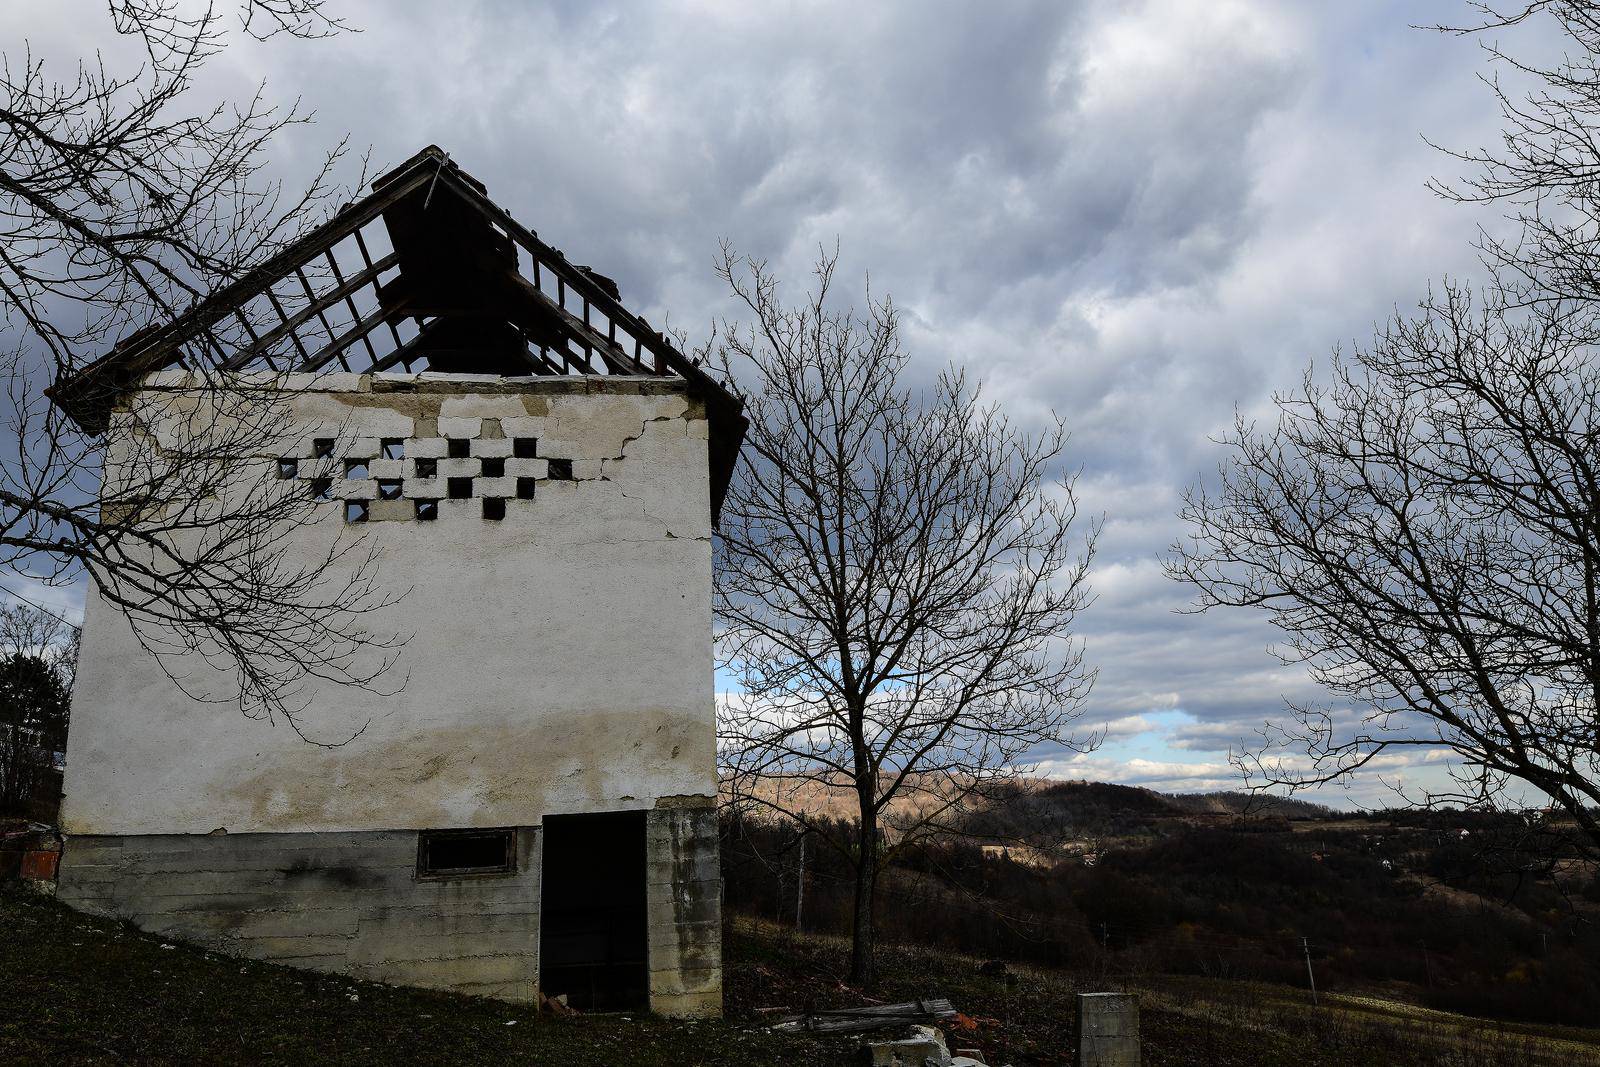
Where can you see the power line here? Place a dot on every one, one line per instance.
(40, 607)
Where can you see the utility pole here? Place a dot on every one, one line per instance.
(800, 886)
(1312, 978)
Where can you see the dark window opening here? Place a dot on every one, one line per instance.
(494, 508)
(288, 468)
(394, 448)
(525, 447)
(322, 447)
(494, 468)
(355, 468)
(460, 448)
(427, 510)
(459, 488)
(355, 511)
(592, 918)
(427, 468)
(322, 488)
(388, 489)
(560, 470)
(525, 488)
(458, 853)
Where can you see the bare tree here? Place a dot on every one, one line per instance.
(121, 205)
(1424, 527)
(897, 583)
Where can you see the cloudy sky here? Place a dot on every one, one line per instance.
(1139, 215)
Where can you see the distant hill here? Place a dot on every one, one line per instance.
(1047, 808)
(1235, 803)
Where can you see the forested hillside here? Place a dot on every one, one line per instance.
(1454, 910)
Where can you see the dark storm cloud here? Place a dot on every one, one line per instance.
(1141, 216)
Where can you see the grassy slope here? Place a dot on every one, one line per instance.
(79, 990)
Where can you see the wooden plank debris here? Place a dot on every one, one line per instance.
(863, 1020)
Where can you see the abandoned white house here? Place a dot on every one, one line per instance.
(532, 809)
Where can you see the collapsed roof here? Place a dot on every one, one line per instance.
(424, 273)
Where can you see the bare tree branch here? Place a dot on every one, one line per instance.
(121, 205)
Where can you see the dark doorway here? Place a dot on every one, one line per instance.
(593, 943)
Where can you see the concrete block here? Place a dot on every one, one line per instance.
(924, 1048)
(491, 447)
(1108, 1030)
(358, 448)
(501, 487)
(331, 381)
(355, 489)
(427, 448)
(388, 468)
(402, 510)
(459, 427)
(424, 488)
(524, 425)
(460, 468)
(482, 407)
(527, 468)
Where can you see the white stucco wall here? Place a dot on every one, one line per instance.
(558, 661)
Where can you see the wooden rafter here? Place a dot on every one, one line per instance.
(344, 290)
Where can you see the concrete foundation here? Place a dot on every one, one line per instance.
(353, 903)
(1108, 1030)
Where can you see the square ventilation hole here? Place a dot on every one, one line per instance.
(460, 448)
(288, 468)
(322, 448)
(322, 489)
(427, 510)
(525, 488)
(427, 468)
(494, 508)
(355, 469)
(355, 511)
(560, 470)
(494, 468)
(393, 448)
(459, 488)
(388, 488)
(525, 447)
